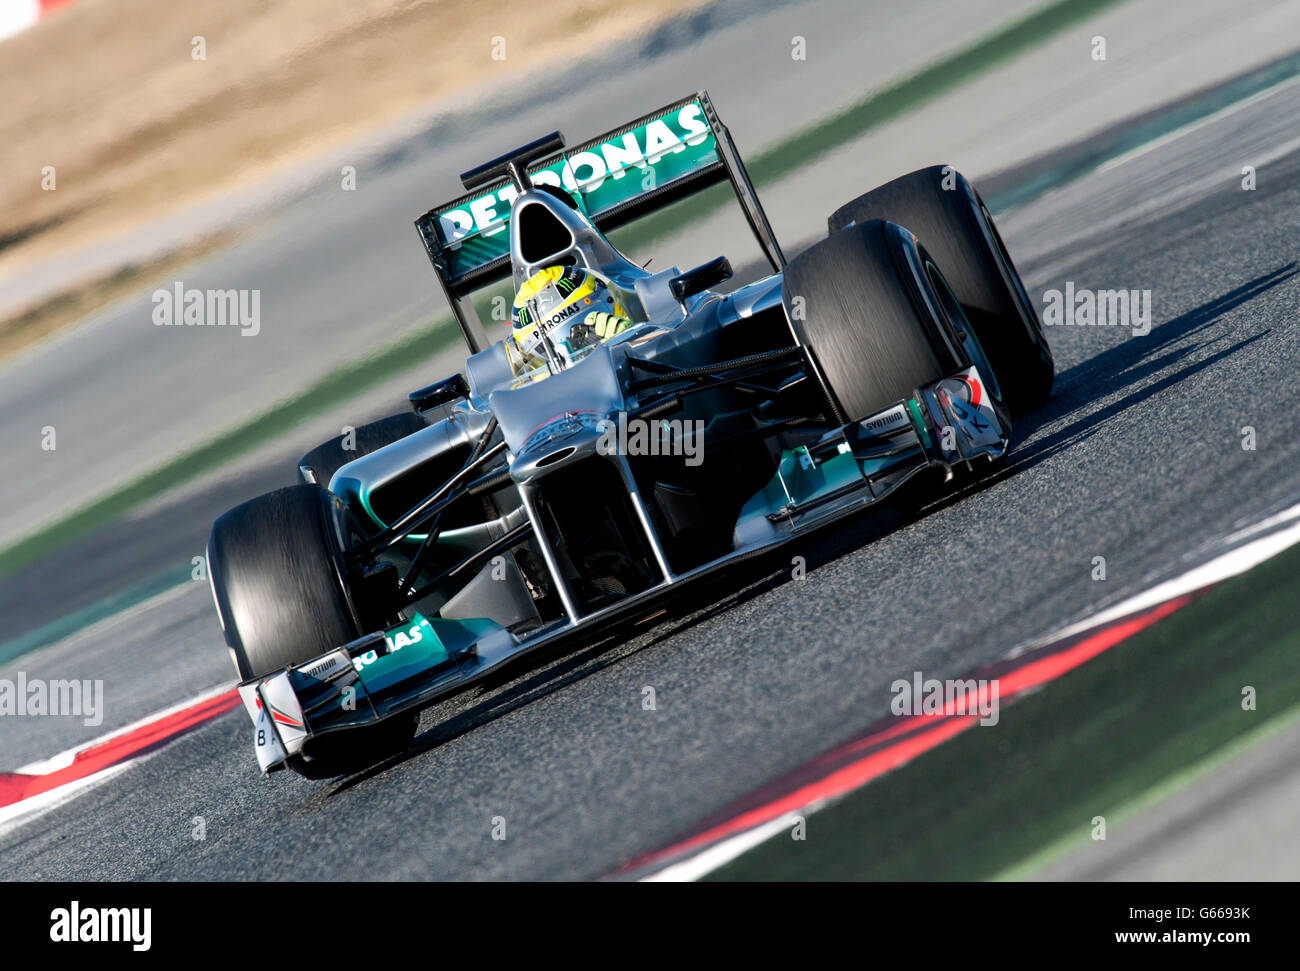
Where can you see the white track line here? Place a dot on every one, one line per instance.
(719, 854)
(27, 810)
(33, 807)
(1187, 129)
(1232, 563)
(1225, 565)
(65, 758)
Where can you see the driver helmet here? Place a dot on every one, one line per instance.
(549, 313)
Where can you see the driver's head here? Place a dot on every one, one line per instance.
(547, 306)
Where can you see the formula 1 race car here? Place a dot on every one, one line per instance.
(517, 505)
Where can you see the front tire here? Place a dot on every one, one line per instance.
(855, 303)
(277, 573)
(950, 219)
(279, 581)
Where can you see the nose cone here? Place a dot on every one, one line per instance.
(559, 443)
(588, 389)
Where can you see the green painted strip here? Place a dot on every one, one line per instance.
(1032, 865)
(1103, 149)
(338, 386)
(927, 84)
(93, 613)
(884, 105)
(1132, 726)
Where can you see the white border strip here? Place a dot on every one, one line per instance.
(1232, 563)
(706, 861)
(26, 810)
(64, 759)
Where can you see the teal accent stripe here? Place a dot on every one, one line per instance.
(93, 613)
(1102, 149)
(914, 411)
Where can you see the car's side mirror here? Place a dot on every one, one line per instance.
(439, 393)
(699, 279)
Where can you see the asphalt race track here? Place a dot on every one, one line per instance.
(1137, 458)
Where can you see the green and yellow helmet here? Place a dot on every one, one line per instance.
(548, 305)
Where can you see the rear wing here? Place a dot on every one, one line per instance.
(616, 178)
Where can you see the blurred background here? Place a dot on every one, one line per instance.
(143, 138)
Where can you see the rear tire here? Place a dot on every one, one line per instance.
(945, 212)
(854, 304)
(319, 465)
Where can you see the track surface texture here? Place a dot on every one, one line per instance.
(1137, 458)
